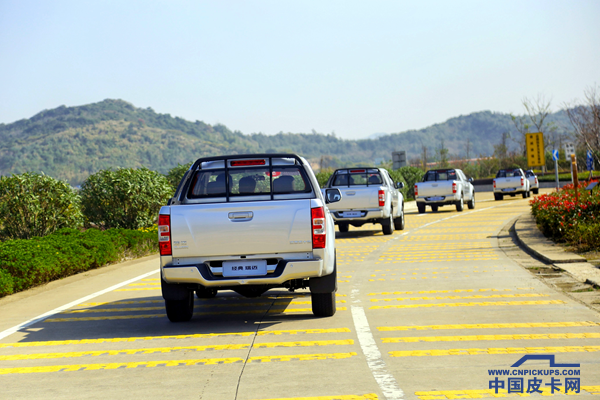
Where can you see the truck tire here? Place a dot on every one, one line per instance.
(498, 196)
(421, 208)
(435, 208)
(399, 222)
(471, 203)
(460, 205)
(323, 304)
(387, 225)
(525, 195)
(343, 227)
(180, 310)
(206, 293)
(536, 191)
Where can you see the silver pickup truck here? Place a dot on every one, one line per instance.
(369, 196)
(511, 181)
(247, 223)
(442, 187)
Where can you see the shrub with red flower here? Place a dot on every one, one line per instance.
(562, 218)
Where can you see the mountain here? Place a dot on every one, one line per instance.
(70, 143)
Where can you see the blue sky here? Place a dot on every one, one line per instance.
(350, 67)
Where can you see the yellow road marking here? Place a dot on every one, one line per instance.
(216, 312)
(472, 304)
(192, 336)
(173, 363)
(197, 306)
(589, 335)
(163, 350)
(491, 326)
(507, 350)
(136, 289)
(465, 297)
(502, 393)
(368, 396)
(446, 291)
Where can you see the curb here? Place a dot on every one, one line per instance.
(529, 237)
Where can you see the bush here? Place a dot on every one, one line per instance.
(176, 174)
(28, 263)
(124, 198)
(408, 175)
(563, 219)
(36, 205)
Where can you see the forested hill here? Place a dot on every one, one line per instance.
(72, 142)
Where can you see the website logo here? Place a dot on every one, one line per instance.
(529, 380)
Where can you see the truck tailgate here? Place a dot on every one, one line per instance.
(435, 189)
(358, 198)
(241, 228)
(507, 183)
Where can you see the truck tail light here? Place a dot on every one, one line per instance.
(494, 184)
(453, 187)
(416, 190)
(522, 181)
(536, 181)
(164, 235)
(381, 198)
(318, 228)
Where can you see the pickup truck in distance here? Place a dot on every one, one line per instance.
(511, 181)
(369, 195)
(247, 223)
(442, 187)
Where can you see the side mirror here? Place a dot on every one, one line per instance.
(332, 195)
(399, 185)
(470, 180)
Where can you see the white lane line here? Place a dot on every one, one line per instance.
(60, 309)
(384, 379)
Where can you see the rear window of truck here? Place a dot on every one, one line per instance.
(440, 175)
(250, 181)
(506, 173)
(356, 177)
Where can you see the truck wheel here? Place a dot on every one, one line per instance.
(536, 191)
(460, 205)
(387, 225)
(525, 195)
(471, 203)
(343, 227)
(323, 304)
(180, 310)
(399, 222)
(206, 293)
(421, 208)
(498, 196)
(435, 208)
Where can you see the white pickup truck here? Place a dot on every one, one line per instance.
(369, 196)
(442, 187)
(511, 181)
(247, 223)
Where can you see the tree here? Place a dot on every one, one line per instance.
(537, 111)
(124, 198)
(34, 204)
(585, 119)
(442, 154)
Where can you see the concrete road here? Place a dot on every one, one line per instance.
(425, 314)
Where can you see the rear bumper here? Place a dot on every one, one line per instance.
(445, 200)
(366, 215)
(520, 189)
(200, 274)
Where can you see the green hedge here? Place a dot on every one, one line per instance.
(25, 263)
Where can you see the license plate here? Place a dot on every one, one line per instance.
(509, 189)
(244, 268)
(351, 214)
(435, 199)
